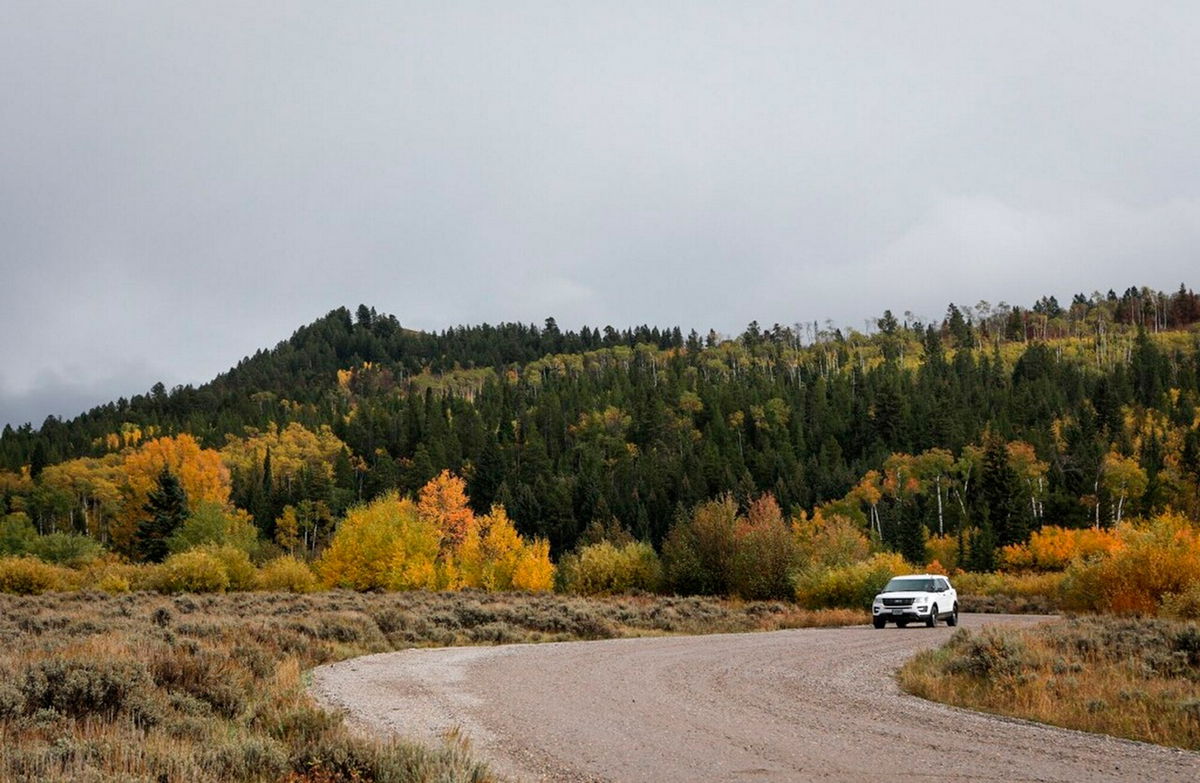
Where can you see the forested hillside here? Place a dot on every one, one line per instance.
(1001, 418)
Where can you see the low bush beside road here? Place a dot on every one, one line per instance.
(1137, 678)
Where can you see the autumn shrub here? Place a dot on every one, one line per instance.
(194, 571)
(382, 545)
(699, 549)
(286, 574)
(764, 553)
(1015, 585)
(1153, 560)
(605, 567)
(829, 540)
(28, 576)
(942, 550)
(1183, 605)
(238, 568)
(1054, 548)
(851, 587)
(111, 575)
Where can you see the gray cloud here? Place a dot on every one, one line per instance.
(185, 183)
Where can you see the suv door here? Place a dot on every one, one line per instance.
(945, 597)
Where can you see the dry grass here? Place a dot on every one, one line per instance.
(1134, 678)
(144, 687)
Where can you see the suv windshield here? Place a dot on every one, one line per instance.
(909, 585)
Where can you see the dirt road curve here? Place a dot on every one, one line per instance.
(784, 706)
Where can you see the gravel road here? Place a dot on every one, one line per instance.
(782, 706)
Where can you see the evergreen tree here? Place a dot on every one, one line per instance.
(167, 508)
(1000, 491)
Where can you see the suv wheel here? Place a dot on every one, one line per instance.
(931, 620)
(952, 620)
(878, 622)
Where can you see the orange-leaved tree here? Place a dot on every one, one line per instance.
(204, 477)
(443, 503)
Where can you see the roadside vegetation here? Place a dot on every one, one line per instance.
(147, 687)
(1137, 678)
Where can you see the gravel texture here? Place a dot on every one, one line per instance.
(800, 705)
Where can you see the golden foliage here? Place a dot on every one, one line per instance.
(286, 574)
(385, 544)
(606, 568)
(287, 529)
(852, 586)
(443, 503)
(534, 572)
(1153, 560)
(194, 571)
(28, 576)
(1053, 548)
(395, 544)
(293, 450)
(942, 550)
(203, 476)
(829, 540)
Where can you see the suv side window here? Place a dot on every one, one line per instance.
(942, 585)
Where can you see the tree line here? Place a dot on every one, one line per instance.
(1007, 416)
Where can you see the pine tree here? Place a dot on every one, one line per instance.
(1000, 491)
(167, 507)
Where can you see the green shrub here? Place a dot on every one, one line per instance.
(79, 688)
(988, 654)
(68, 549)
(27, 576)
(16, 531)
(196, 571)
(607, 568)
(848, 587)
(212, 525)
(287, 574)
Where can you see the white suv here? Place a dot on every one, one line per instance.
(916, 598)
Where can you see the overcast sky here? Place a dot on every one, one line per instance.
(183, 183)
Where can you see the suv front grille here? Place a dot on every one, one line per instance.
(897, 602)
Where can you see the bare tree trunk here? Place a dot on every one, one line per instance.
(941, 527)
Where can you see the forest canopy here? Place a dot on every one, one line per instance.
(989, 423)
